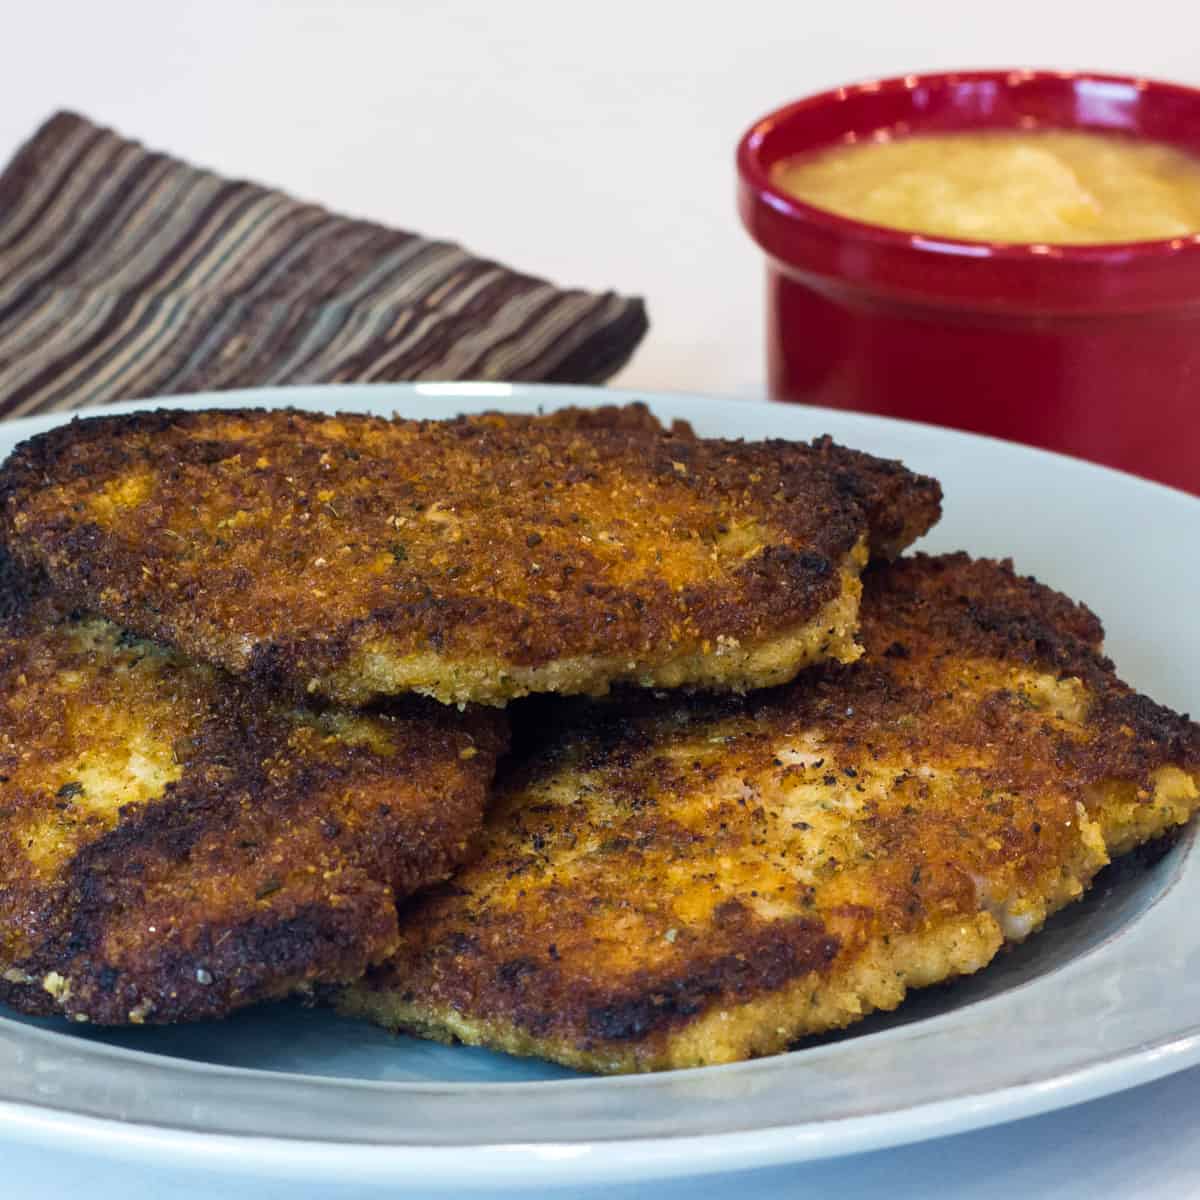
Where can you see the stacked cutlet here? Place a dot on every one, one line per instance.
(256, 673)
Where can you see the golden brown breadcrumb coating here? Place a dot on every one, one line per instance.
(175, 844)
(476, 559)
(685, 882)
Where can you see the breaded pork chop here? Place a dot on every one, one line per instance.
(174, 845)
(632, 418)
(899, 506)
(694, 882)
(470, 560)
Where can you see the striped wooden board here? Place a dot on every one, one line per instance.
(127, 273)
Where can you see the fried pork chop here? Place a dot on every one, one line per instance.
(470, 560)
(681, 883)
(173, 844)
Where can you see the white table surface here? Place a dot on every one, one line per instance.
(591, 144)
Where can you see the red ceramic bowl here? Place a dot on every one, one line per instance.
(1092, 350)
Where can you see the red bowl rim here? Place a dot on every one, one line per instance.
(754, 174)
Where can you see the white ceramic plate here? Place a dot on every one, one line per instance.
(1106, 997)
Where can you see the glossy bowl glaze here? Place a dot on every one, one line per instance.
(1091, 350)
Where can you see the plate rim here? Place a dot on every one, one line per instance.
(581, 1163)
(550, 1160)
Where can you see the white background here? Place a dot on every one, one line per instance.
(591, 144)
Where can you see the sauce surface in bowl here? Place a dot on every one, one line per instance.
(1051, 187)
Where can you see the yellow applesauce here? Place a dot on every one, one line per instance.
(1050, 187)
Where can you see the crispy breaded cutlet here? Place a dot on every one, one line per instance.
(632, 418)
(682, 883)
(469, 560)
(174, 844)
(899, 506)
